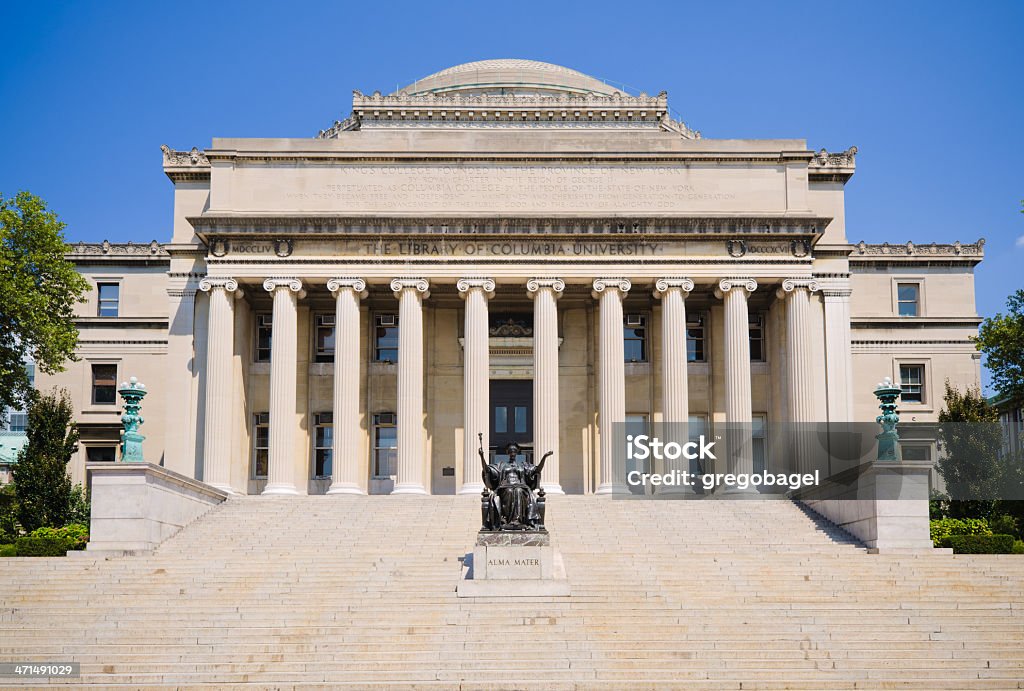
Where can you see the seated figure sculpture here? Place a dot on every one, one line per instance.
(512, 498)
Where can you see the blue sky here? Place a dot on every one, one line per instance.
(931, 93)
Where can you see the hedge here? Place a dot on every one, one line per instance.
(945, 527)
(75, 535)
(30, 546)
(980, 544)
(8, 551)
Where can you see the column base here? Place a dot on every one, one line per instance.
(552, 488)
(472, 488)
(611, 488)
(280, 489)
(223, 488)
(343, 488)
(408, 488)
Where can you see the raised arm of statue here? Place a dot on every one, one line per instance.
(540, 466)
(483, 458)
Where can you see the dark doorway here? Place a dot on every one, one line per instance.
(511, 414)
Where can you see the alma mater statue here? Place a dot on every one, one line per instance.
(513, 498)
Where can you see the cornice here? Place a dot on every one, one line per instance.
(452, 225)
(182, 166)
(862, 251)
(115, 249)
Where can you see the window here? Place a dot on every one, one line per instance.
(104, 384)
(506, 416)
(912, 383)
(757, 425)
(907, 299)
(636, 425)
(30, 369)
(756, 337)
(385, 445)
(264, 328)
(101, 454)
(260, 445)
(323, 441)
(107, 300)
(695, 337)
(17, 422)
(697, 425)
(324, 338)
(634, 331)
(385, 345)
(916, 452)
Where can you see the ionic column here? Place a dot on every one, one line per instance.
(347, 458)
(476, 378)
(838, 359)
(738, 412)
(544, 292)
(410, 475)
(800, 372)
(283, 411)
(611, 407)
(219, 350)
(675, 407)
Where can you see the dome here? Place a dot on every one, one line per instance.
(508, 76)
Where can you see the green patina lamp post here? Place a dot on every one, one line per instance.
(887, 394)
(131, 441)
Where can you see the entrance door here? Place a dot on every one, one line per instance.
(511, 414)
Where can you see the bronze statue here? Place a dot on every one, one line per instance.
(513, 498)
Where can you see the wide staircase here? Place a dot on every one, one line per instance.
(276, 592)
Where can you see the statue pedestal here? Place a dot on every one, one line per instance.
(513, 564)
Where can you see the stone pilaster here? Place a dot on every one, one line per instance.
(738, 406)
(838, 358)
(411, 440)
(180, 448)
(611, 407)
(675, 407)
(283, 363)
(348, 464)
(219, 351)
(545, 292)
(476, 377)
(801, 376)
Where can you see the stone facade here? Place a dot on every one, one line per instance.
(502, 213)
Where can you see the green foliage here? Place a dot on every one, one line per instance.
(1018, 547)
(975, 472)
(80, 510)
(1001, 339)
(9, 528)
(8, 551)
(75, 536)
(38, 292)
(946, 527)
(980, 544)
(40, 476)
(29, 546)
(1003, 525)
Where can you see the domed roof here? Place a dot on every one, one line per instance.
(508, 76)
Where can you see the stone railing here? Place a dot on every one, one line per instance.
(909, 249)
(116, 249)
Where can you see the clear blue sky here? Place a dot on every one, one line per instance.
(931, 93)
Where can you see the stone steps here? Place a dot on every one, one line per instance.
(324, 592)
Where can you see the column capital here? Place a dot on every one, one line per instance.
(535, 285)
(211, 282)
(292, 284)
(727, 284)
(663, 285)
(357, 285)
(418, 284)
(602, 284)
(790, 286)
(465, 285)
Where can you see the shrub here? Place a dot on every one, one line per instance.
(75, 536)
(980, 544)
(1018, 547)
(947, 527)
(30, 546)
(1003, 525)
(11, 551)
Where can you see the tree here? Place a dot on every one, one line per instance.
(976, 472)
(41, 480)
(38, 291)
(1001, 339)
